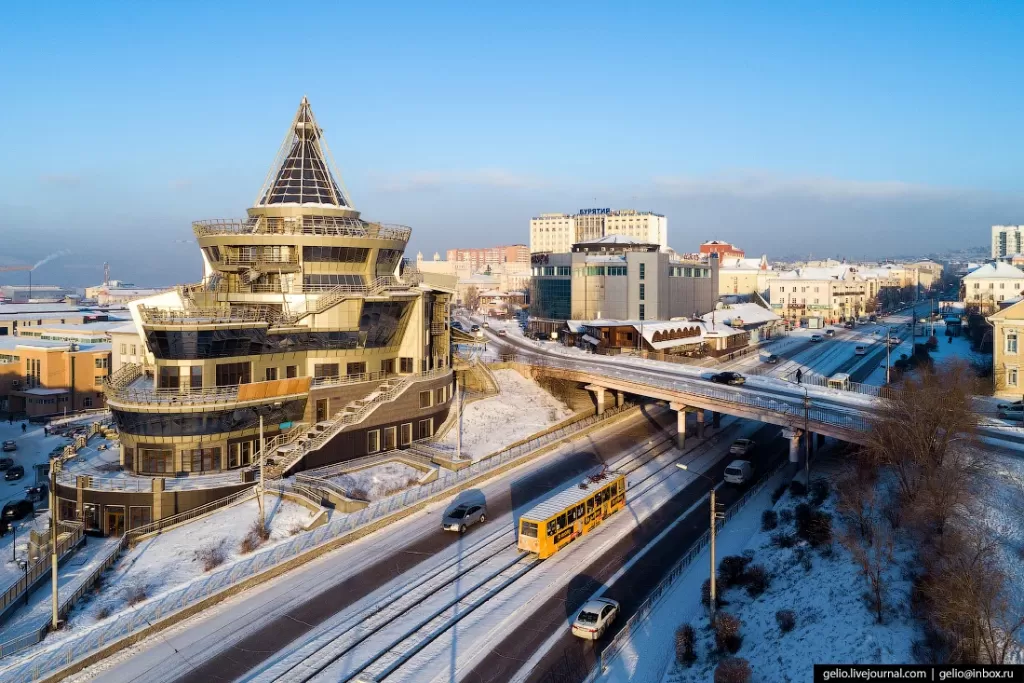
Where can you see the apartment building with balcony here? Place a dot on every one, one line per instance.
(835, 294)
(306, 317)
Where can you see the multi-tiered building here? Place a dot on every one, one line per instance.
(307, 318)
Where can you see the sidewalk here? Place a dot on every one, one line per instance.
(72, 574)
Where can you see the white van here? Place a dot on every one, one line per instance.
(860, 351)
(739, 472)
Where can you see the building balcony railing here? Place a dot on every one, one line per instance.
(359, 378)
(140, 390)
(259, 262)
(330, 226)
(210, 316)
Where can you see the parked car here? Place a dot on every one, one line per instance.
(464, 516)
(830, 332)
(456, 325)
(817, 338)
(17, 509)
(10, 446)
(474, 328)
(860, 350)
(1016, 405)
(37, 494)
(848, 325)
(728, 378)
(894, 341)
(486, 324)
(6, 464)
(502, 333)
(14, 473)
(742, 446)
(739, 471)
(772, 359)
(1012, 412)
(595, 618)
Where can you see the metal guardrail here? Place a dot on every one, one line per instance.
(136, 534)
(92, 640)
(615, 646)
(332, 226)
(41, 566)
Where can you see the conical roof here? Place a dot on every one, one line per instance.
(301, 173)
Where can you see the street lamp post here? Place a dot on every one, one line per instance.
(54, 616)
(807, 437)
(263, 467)
(715, 516)
(24, 566)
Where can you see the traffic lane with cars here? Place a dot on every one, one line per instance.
(571, 658)
(275, 634)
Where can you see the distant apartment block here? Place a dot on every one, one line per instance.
(480, 258)
(1007, 240)
(555, 233)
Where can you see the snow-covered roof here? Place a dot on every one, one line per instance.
(819, 273)
(575, 326)
(606, 258)
(996, 270)
(40, 391)
(570, 496)
(749, 314)
(732, 263)
(700, 331)
(130, 328)
(613, 239)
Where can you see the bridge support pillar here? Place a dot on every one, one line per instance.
(821, 440)
(598, 396)
(620, 398)
(716, 419)
(700, 423)
(680, 423)
(794, 443)
(810, 443)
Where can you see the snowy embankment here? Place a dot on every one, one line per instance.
(184, 554)
(379, 481)
(521, 408)
(1003, 516)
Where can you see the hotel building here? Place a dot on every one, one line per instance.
(556, 233)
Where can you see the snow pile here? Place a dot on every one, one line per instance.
(833, 621)
(378, 481)
(180, 555)
(520, 409)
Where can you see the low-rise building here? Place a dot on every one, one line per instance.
(40, 377)
(683, 337)
(1008, 350)
(744, 275)
(38, 293)
(759, 322)
(723, 249)
(992, 283)
(834, 294)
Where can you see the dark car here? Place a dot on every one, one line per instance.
(6, 464)
(728, 378)
(37, 494)
(10, 446)
(14, 473)
(456, 325)
(848, 326)
(17, 509)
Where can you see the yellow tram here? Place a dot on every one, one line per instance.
(557, 522)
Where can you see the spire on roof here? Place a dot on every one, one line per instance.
(303, 171)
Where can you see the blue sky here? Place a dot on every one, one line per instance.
(853, 128)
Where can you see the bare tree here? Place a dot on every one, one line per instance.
(871, 541)
(472, 298)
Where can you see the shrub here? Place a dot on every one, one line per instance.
(730, 570)
(102, 613)
(705, 594)
(359, 494)
(211, 556)
(819, 491)
(786, 619)
(783, 540)
(732, 670)
(801, 515)
(727, 633)
(815, 528)
(686, 641)
(757, 580)
(797, 488)
(779, 491)
(803, 557)
(135, 593)
(769, 520)
(786, 516)
(258, 534)
(296, 529)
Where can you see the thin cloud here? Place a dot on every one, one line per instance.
(757, 184)
(417, 181)
(181, 185)
(61, 179)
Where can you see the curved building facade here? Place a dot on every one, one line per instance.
(307, 318)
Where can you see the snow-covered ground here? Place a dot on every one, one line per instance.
(175, 557)
(520, 409)
(1003, 516)
(378, 481)
(833, 623)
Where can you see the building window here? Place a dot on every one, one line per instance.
(240, 453)
(103, 362)
(87, 402)
(439, 396)
(1011, 377)
(157, 461)
(291, 371)
(426, 428)
(168, 377)
(642, 288)
(642, 307)
(233, 374)
(390, 437)
(373, 441)
(325, 370)
(201, 460)
(405, 365)
(406, 433)
(643, 270)
(387, 366)
(1011, 341)
(195, 377)
(425, 401)
(270, 374)
(355, 369)
(124, 349)
(99, 379)
(133, 349)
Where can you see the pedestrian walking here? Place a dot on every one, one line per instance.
(798, 375)
(22, 427)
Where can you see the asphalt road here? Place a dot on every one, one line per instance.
(571, 658)
(242, 656)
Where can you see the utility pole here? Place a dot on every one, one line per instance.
(263, 463)
(715, 516)
(807, 439)
(888, 349)
(458, 420)
(55, 618)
